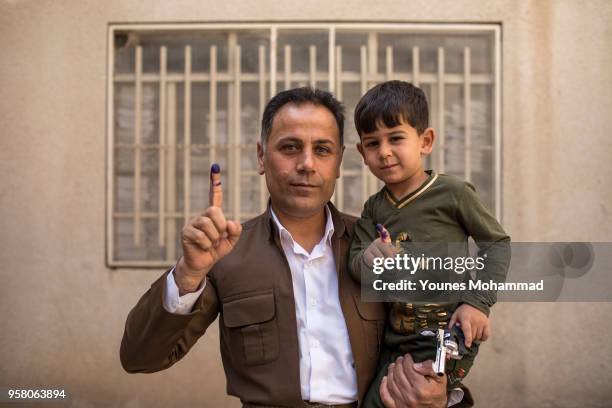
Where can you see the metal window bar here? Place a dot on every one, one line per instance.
(364, 88)
(312, 66)
(467, 115)
(263, 196)
(235, 146)
(187, 136)
(441, 145)
(339, 193)
(171, 214)
(212, 111)
(163, 58)
(137, 142)
(367, 75)
(287, 76)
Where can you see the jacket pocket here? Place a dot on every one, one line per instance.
(252, 327)
(373, 316)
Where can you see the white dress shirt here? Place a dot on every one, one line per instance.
(327, 373)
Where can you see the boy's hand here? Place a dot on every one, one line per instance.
(474, 324)
(379, 248)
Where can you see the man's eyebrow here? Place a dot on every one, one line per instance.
(324, 141)
(289, 139)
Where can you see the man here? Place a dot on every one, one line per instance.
(293, 330)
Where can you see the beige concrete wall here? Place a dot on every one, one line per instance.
(63, 311)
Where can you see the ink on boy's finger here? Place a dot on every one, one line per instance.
(215, 196)
(383, 233)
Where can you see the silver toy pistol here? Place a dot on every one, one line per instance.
(447, 347)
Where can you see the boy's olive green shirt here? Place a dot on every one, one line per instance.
(443, 209)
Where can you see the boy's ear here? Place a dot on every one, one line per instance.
(260, 159)
(360, 149)
(427, 140)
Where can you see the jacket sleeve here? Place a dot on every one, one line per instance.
(363, 234)
(154, 338)
(493, 245)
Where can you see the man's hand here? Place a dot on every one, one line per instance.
(205, 239)
(410, 385)
(379, 248)
(474, 324)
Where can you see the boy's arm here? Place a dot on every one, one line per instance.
(491, 239)
(364, 233)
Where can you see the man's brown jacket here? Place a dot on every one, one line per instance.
(252, 292)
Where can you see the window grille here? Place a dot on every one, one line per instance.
(184, 96)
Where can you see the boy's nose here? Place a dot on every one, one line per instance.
(384, 152)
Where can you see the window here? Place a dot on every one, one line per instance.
(184, 96)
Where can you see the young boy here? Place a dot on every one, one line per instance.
(420, 206)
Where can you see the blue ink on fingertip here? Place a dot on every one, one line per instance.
(215, 168)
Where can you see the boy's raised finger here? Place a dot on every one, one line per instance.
(215, 195)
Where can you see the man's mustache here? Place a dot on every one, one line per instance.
(304, 183)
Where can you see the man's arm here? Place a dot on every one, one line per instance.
(154, 338)
(173, 302)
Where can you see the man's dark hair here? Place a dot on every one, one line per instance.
(389, 103)
(299, 96)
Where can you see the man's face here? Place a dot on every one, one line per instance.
(301, 159)
(394, 154)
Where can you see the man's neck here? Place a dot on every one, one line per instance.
(306, 231)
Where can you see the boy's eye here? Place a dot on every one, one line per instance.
(371, 143)
(396, 138)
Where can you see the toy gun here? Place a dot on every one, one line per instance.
(450, 344)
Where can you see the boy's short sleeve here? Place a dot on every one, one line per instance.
(491, 239)
(363, 234)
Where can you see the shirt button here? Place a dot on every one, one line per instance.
(314, 343)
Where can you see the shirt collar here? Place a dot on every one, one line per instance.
(283, 232)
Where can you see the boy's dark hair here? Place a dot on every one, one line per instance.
(389, 103)
(300, 96)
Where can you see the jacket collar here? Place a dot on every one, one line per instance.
(272, 231)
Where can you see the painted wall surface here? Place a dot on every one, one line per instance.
(63, 310)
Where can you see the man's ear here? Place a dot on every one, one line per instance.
(360, 149)
(260, 159)
(338, 169)
(427, 140)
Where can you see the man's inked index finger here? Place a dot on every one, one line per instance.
(215, 195)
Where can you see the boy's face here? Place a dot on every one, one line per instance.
(395, 155)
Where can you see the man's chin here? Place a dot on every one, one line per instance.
(302, 207)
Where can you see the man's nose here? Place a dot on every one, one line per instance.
(306, 161)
